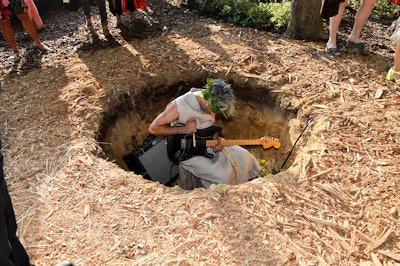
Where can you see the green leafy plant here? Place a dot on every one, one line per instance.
(383, 10)
(269, 15)
(280, 14)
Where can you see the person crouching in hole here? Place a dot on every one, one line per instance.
(196, 110)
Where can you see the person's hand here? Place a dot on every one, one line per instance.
(218, 147)
(191, 126)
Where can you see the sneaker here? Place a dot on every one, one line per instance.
(393, 75)
(41, 47)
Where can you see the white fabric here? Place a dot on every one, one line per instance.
(188, 107)
(218, 169)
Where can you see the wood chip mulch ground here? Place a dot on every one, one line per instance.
(337, 204)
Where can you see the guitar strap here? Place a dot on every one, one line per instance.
(236, 166)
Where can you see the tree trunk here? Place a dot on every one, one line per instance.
(305, 20)
(188, 181)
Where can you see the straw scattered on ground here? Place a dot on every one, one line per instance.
(337, 204)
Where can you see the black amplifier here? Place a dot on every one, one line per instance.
(151, 161)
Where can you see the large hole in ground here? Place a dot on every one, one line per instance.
(125, 125)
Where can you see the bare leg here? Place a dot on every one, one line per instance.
(131, 17)
(103, 11)
(9, 34)
(360, 20)
(86, 7)
(86, 11)
(396, 66)
(116, 10)
(30, 28)
(394, 72)
(334, 23)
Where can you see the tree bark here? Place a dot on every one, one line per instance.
(305, 20)
(188, 181)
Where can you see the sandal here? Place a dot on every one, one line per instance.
(358, 46)
(390, 75)
(42, 47)
(333, 51)
(16, 57)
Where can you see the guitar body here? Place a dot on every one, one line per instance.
(180, 147)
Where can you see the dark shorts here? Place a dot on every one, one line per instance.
(8, 8)
(130, 5)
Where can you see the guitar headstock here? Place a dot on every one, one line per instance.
(268, 142)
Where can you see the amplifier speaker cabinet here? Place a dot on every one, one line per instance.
(152, 162)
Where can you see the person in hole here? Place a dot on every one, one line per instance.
(197, 110)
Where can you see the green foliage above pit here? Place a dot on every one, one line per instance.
(274, 15)
(267, 16)
(271, 16)
(383, 10)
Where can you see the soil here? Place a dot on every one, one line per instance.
(336, 202)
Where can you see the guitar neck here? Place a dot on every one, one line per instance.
(235, 142)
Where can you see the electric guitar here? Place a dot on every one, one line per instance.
(182, 147)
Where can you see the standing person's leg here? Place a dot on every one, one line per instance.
(360, 20)
(30, 29)
(118, 5)
(131, 16)
(394, 72)
(334, 23)
(116, 9)
(396, 66)
(102, 10)
(130, 6)
(8, 35)
(103, 16)
(86, 11)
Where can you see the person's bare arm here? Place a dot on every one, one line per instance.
(162, 123)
